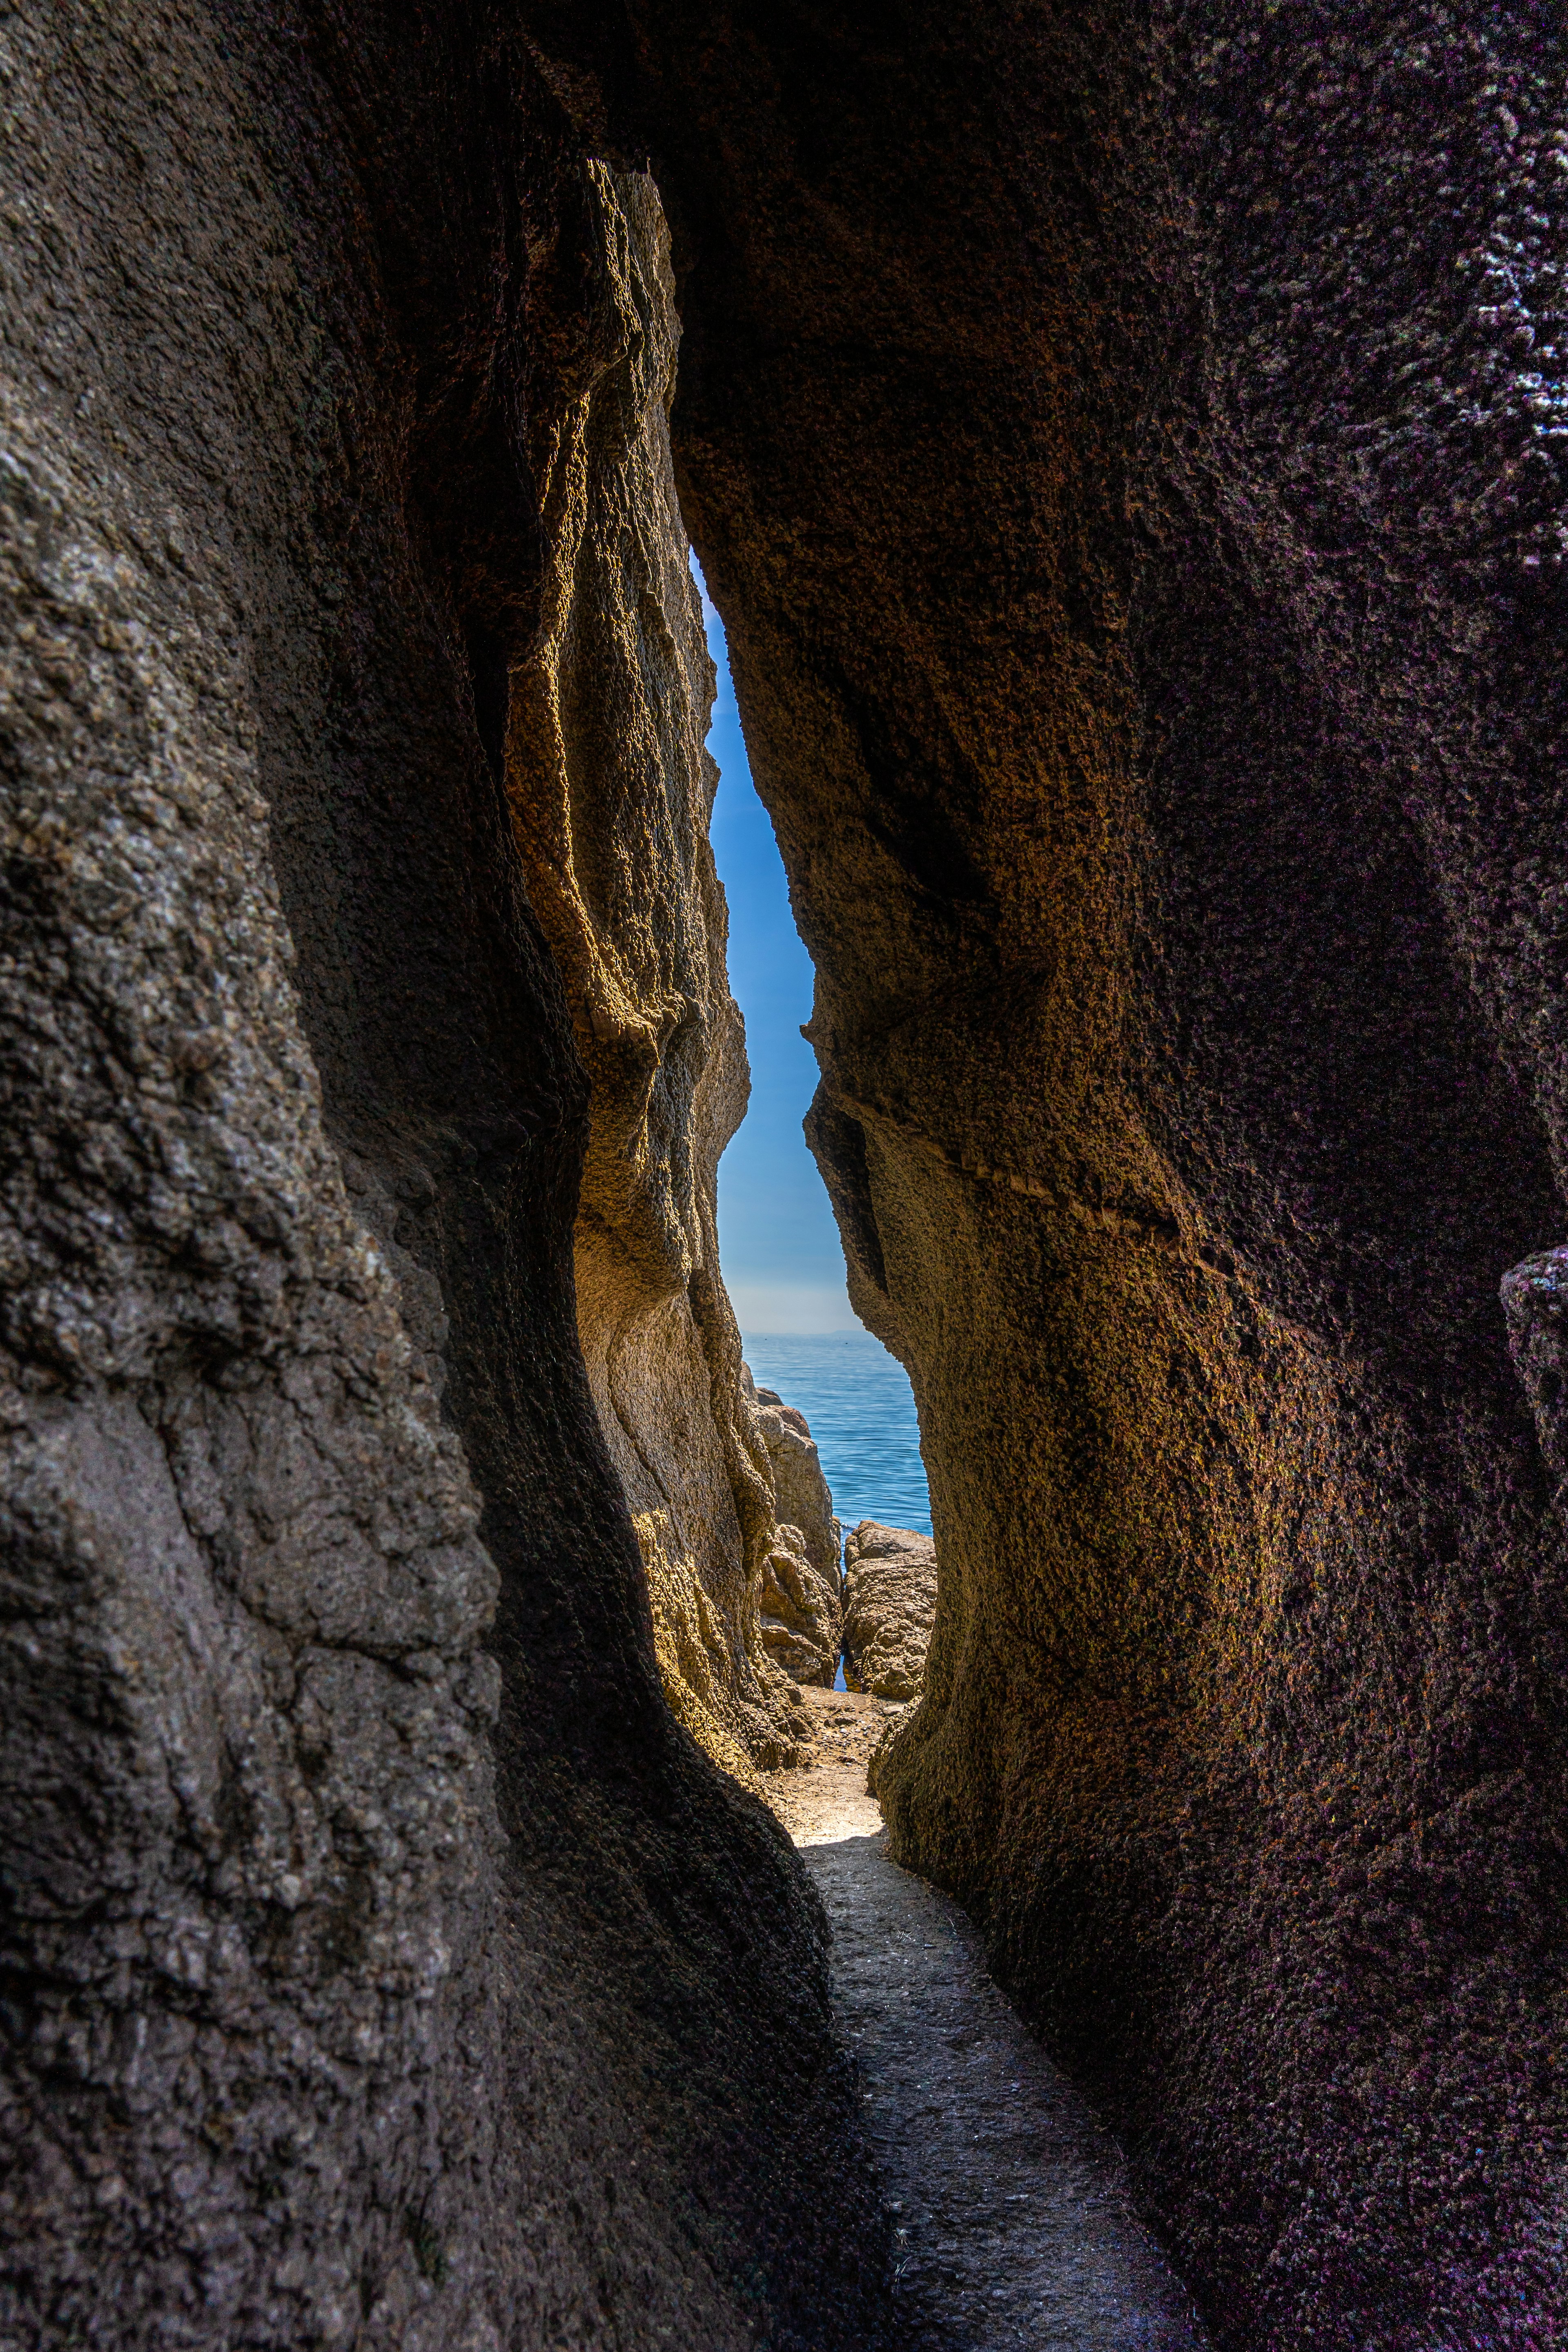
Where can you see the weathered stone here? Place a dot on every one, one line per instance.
(1535, 1308)
(801, 1491)
(801, 1608)
(610, 790)
(1126, 446)
(382, 1963)
(889, 1607)
(1126, 449)
(800, 1612)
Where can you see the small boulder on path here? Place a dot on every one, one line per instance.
(889, 1602)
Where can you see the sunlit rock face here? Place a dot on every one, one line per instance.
(610, 790)
(1125, 447)
(802, 1597)
(382, 1963)
(889, 1603)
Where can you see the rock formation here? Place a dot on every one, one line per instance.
(611, 790)
(802, 1602)
(802, 1495)
(1127, 447)
(889, 1602)
(382, 1964)
(800, 1614)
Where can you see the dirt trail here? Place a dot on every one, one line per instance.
(1015, 2226)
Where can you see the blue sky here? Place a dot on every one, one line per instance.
(777, 1242)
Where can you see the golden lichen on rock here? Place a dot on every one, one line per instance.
(612, 789)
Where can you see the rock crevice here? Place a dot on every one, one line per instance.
(1149, 673)
(383, 1964)
(1126, 445)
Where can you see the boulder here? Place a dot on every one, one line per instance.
(889, 1602)
(802, 1601)
(800, 1612)
(804, 1499)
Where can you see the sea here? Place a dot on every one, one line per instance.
(858, 1403)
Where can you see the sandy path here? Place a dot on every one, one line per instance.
(1014, 2227)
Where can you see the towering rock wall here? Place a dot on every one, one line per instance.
(611, 790)
(1126, 447)
(382, 1964)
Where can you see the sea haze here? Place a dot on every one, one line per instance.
(861, 1410)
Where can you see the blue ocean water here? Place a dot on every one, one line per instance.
(857, 1399)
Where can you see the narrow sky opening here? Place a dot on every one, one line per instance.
(778, 1244)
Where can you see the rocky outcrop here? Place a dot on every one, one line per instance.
(802, 1495)
(1533, 1298)
(1126, 449)
(383, 1964)
(802, 1603)
(800, 1612)
(890, 1604)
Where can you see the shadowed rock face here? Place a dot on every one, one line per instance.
(382, 1964)
(1125, 446)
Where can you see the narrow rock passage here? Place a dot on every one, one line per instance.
(1015, 2226)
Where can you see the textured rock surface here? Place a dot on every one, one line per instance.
(802, 1495)
(381, 1963)
(1126, 449)
(1126, 446)
(800, 1612)
(802, 1603)
(1534, 1296)
(890, 1605)
(610, 790)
